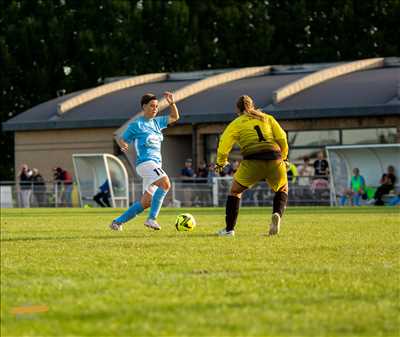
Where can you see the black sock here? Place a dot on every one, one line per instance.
(232, 211)
(280, 201)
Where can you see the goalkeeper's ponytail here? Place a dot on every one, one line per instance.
(246, 106)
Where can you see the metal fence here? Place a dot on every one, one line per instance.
(183, 193)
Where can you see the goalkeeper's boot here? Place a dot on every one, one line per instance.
(275, 225)
(224, 232)
(151, 223)
(116, 226)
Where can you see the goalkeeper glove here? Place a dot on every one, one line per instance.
(287, 164)
(220, 168)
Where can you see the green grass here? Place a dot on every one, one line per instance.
(331, 272)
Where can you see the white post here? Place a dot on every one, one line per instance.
(55, 195)
(173, 192)
(215, 191)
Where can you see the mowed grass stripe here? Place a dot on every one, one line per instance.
(330, 272)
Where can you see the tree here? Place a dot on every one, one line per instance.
(49, 47)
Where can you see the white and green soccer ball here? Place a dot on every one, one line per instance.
(185, 222)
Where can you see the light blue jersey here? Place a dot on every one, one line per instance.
(147, 137)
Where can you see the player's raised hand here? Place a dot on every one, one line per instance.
(169, 97)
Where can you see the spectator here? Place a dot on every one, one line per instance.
(202, 171)
(39, 188)
(305, 172)
(187, 175)
(321, 167)
(356, 190)
(103, 197)
(25, 186)
(187, 172)
(64, 181)
(319, 186)
(211, 173)
(387, 181)
(227, 171)
(202, 195)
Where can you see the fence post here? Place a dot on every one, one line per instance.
(173, 192)
(55, 195)
(215, 191)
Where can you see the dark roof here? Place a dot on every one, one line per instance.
(111, 110)
(362, 88)
(364, 93)
(218, 103)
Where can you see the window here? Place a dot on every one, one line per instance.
(211, 146)
(370, 136)
(313, 138)
(297, 156)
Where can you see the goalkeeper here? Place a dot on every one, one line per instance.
(264, 147)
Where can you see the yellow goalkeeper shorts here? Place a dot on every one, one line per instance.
(273, 172)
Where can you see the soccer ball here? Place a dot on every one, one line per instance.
(185, 222)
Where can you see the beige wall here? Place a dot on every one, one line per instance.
(175, 150)
(47, 149)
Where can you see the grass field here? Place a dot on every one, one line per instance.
(331, 272)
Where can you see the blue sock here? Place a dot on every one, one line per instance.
(135, 209)
(156, 203)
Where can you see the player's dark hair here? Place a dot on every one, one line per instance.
(146, 98)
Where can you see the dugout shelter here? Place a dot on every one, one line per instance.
(372, 160)
(92, 170)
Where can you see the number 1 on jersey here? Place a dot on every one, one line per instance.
(259, 133)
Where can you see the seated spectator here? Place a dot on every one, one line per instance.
(305, 171)
(187, 172)
(319, 184)
(321, 167)
(202, 171)
(103, 197)
(356, 190)
(187, 175)
(39, 187)
(227, 171)
(25, 186)
(211, 173)
(387, 181)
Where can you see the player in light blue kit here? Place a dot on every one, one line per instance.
(145, 133)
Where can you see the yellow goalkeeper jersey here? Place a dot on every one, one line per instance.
(256, 139)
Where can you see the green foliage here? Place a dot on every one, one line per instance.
(331, 272)
(107, 38)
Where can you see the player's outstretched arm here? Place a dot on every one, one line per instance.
(123, 145)
(173, 113)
